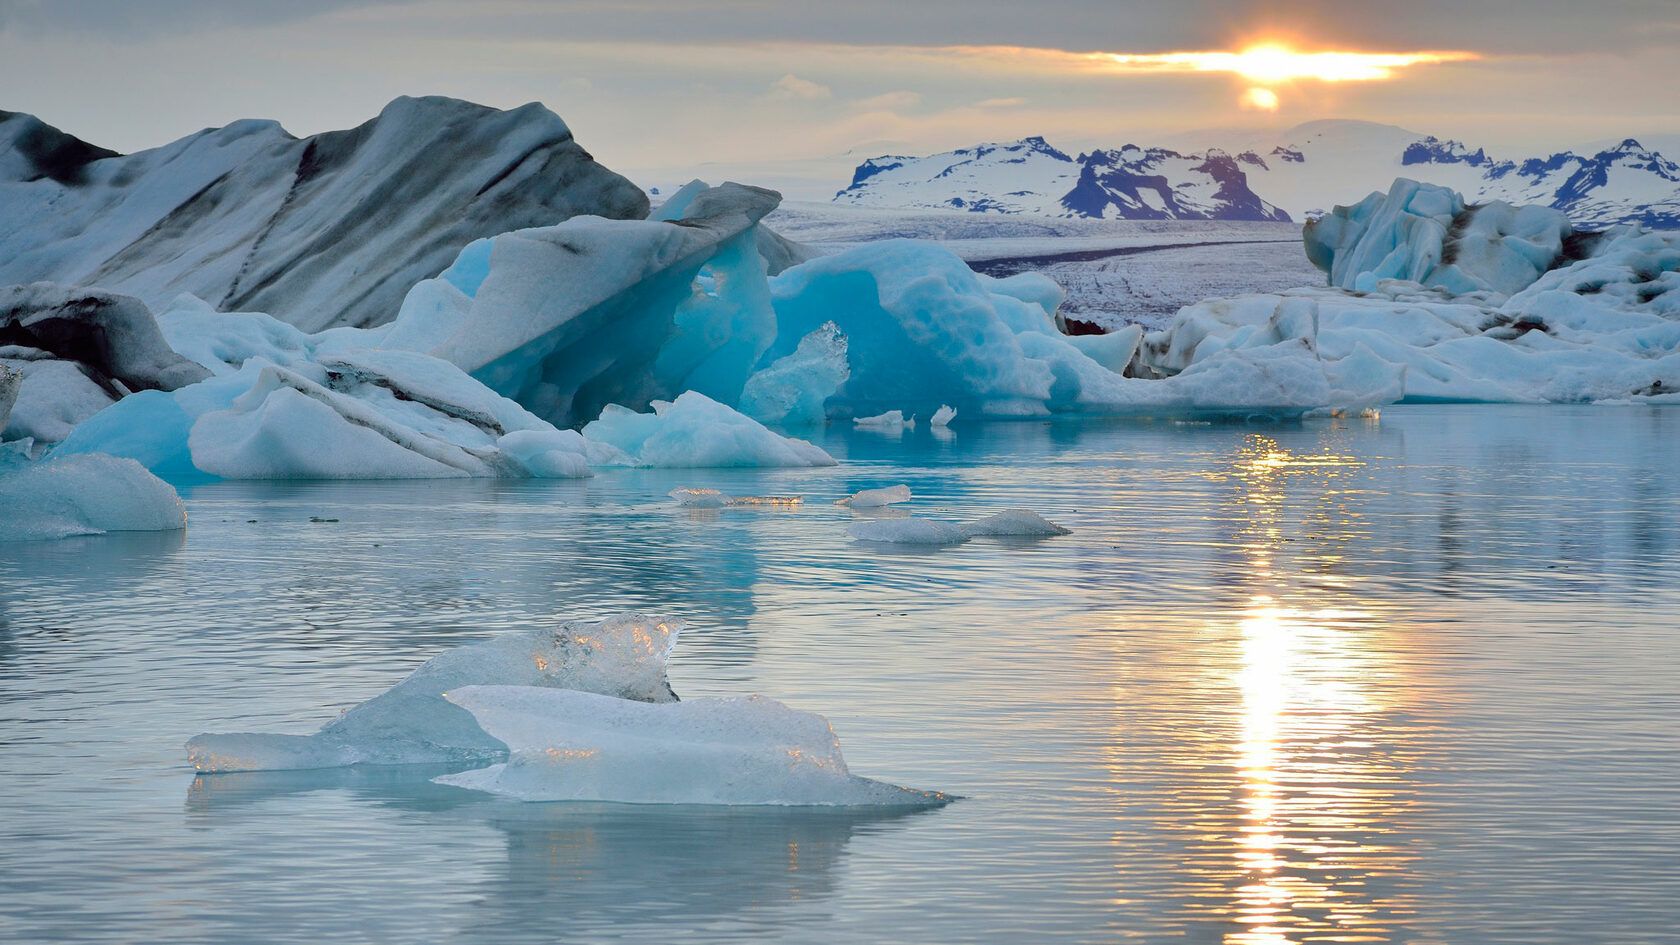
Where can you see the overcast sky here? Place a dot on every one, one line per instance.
(655, 87)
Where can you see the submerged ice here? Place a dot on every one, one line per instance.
(411, 723)
(565, 745)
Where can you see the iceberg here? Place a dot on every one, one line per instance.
(567, 319)
(876, 498)
(60, 497)
(411, 723)
(1434, 301)
(78, 350)
(696, 431)
(1015, 523)
(943, 416)
(282, 404)
(908, 531)
(572, 746)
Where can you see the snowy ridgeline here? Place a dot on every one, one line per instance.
(682, 339)
(1298, 175)
(581, 712)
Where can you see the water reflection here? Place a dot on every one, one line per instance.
(580, 871)
(1310, 833)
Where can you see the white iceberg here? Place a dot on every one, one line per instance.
(943, 416)
(876, 498)
(697, 431)
(1015, 523)
(81, 495)
(908, 531)
(410, 723)
(282, 404)
(1447, 303)
(574, 746)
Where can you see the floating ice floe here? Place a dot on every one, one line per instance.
(713, 499)
(943, 416)
(695, 430)
(908, 531)
(60, 497)
(1432, 300)
(411, 723)
(566, 745)
(891, 421)
(876, 498)
(1015, 523)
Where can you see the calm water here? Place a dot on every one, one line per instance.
(1414, 680)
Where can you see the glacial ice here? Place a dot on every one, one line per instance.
(699, 498)
(284, 404)
(908, 531)
(943, 416)
(566, 745)
(694, 431)
(59, 497)
(889, 422)
(794, 390)
(1439, 302)
(1014, 523)
(876, 498)
(568, 318)
(622, 656)
(78, 351)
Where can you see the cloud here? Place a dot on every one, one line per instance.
(791, 88)
(1012, 102)
(890, 101)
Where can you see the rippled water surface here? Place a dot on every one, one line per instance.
(1412, 680)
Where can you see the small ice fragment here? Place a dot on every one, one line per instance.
(943, 416)
(1016, 523)
(700, 498)
(891, 420)
(566, 745)
(779, 501)
(908, 531)
(875, 498)
(87, 494)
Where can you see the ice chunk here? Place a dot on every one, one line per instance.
(622, 656)
(696, 431)
(569, 318)
(943, 416)
(567, 745)
(1425, 233)
(908, 531)
(283, 404)
(1015, 523)
(83, 495)
(10, 381)
(875, 498)
(700, 498)
(889, 421)
(794, 390)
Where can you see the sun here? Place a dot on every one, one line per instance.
(1261, 98)
(1266, 65)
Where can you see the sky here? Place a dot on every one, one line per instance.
(663, 89)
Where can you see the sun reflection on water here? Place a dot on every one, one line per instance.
(1309, 855)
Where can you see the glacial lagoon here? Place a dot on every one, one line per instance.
(1410, 679)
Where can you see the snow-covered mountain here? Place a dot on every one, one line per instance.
(326, 230)
(1031, 176)
(1312, 168)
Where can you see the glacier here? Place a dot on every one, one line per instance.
(569, 746)
(622, 657)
